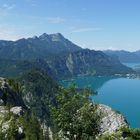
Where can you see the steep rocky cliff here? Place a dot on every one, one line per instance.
(86, 62)
(39, 92)
(10, 94)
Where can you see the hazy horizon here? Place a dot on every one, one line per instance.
(93, 24)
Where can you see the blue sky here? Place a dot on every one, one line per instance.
(94, 24)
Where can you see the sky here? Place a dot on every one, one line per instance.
(94, 24)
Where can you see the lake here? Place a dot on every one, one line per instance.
(121, 94)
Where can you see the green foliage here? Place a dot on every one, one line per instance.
(123, 133)
(57, 65)
(15, 86)
(11, 93)
(12, 132)
(39, 91)
(31, 127)
(7, 115)
(29, 124)
(75, 117)
(132, 134)
(13, 68)
(116, 136)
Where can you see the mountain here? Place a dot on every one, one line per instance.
(35, 60)
(58, 56)
(39, 92)
(17, 120)
(86, 62)
(25, 105)
(37, 47)
(83, 62)
(34, 90)
(125, 56)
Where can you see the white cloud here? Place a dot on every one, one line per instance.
(8, 7)
(41, 19)
(85, 30)
(12, 32)
(56, 20)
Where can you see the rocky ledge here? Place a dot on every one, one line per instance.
(112, 121)
(6, 120)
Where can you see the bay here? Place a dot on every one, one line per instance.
(121, 94)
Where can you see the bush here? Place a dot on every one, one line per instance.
(76, 116)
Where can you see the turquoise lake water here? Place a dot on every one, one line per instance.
(121, 94)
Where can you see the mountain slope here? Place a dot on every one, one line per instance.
(56, 55)
(10, 93)
(37, 47)
(16, 120)
(39, 91)
(125, 56)
(86, 62)
(83, 62)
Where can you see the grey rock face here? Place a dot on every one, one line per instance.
(111, 121)
(5, 124)
(8, 96)
(17, 110)
(3, 110)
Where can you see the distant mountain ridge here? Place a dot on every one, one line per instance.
(36, 47)
(86, 62)
(58, 56)
(125, 56)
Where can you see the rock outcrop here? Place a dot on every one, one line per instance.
(111, 121)
(17, 110)
(10, 93)
(9, 114)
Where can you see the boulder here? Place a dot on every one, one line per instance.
(17, 110)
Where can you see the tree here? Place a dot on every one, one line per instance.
(75, 116)
(26, 127)
(15, 86)
(32, 127)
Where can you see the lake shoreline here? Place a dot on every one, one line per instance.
(120, 92)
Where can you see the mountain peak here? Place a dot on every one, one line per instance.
(57, 34)
(57, 37)
(52, 37)
(35, 37)
(44, 36)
